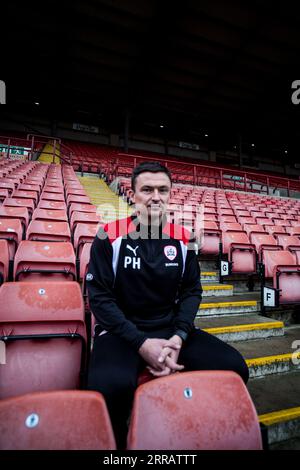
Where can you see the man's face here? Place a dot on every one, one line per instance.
(151, 195)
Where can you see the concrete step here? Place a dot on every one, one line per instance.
(217, 290)
(277, 401)
(241, 327)
(240, 284)
(290, 444)
(233, 305)
(88, 175)
(209, 276)
(208, 265)
(272, 355)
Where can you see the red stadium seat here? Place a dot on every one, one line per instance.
(295, 230)
(207, 410)
(78, 199)
(145, 376)
(282, 223)
(273, 258)
(225, 226)
(223, 211)
(81, 208)
(242, 213)
(55, 205)
(42, 325)
(58, 197)
(20, 213)
(54, 181)
(62, 420)
(89, 208)
(294, 223)
(3, 194)
(263, 242)
(84, 233)
(54, 189)
(210, 238)
(11, 230)
(30, 195)
(16, 179)
(83, 267)
(282, 268)
(286, 278)
(210, 210)
(249, 228)
(4, 261)
(274, 229)
(255, 213)
(241, 253)
(184, 218)
(288, 241)
(38, 182)
(75, 192)
(6, 185)
(84, 260)
(30, 187)
(50, 214)
(41, 230)
(208, 217)
(83, 217)
(246, 220)
(292, 212)
(50, 261)
(72, 186)
(13, 202)
(231, 219)
(264, 221)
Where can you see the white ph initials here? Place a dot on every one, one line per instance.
(136, 262)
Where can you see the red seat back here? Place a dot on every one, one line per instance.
(51, 261)
(50, 214)
(4, 261)
(84, 233)
(11, 230)
(287, 279)
(63, 420)
(42, 324)
(230, 237)
(273, 258)
(194, 410)
(49, 230)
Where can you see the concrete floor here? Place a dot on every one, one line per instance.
(291, 444)
(269, 346)
(275, 392)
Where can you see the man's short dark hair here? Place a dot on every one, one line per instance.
(152, 167)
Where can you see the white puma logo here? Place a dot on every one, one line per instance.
(132, 249)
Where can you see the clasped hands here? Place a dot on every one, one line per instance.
(161, 355)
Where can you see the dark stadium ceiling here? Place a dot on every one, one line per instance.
(196, 66)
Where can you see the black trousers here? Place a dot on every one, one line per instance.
(115, 366)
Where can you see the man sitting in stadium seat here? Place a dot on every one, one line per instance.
(144, 290)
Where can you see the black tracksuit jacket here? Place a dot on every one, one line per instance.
(140, 280)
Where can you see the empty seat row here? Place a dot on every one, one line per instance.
(43, 230)
(211, 236)
(51, 261)
(207, 410)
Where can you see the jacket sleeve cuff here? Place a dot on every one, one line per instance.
(182, 334)
(138, 341)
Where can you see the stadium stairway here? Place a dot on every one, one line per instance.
(268, 346)
(46, 155)
(109, 205)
